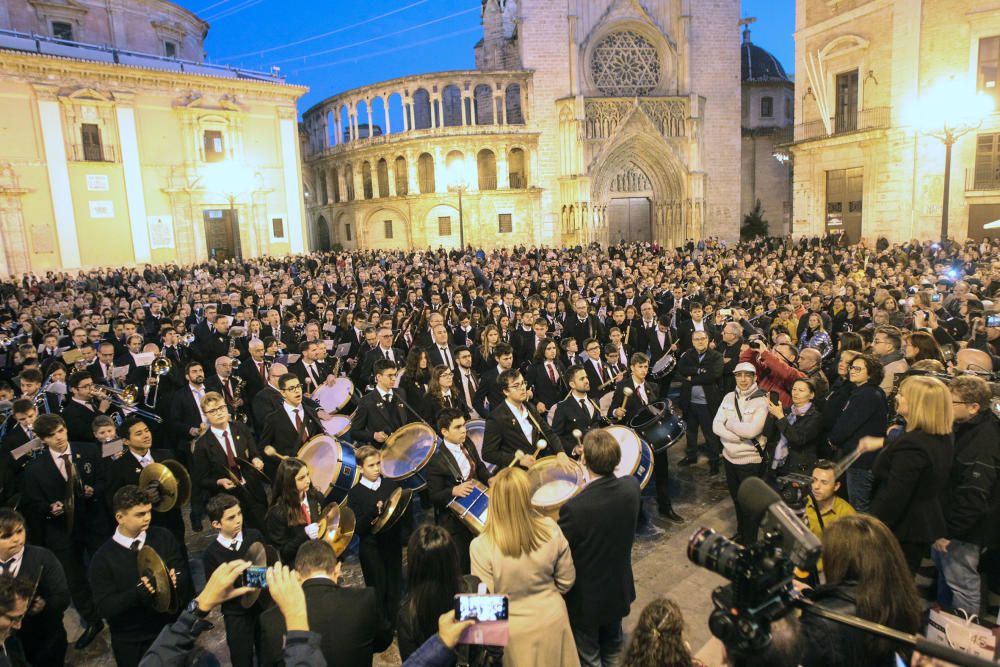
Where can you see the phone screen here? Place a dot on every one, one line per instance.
(775, 398)
(936, 296)
(993, 321)
(482, 608)
(254, 577)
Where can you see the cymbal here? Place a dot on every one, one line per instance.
(397, 505)
(248, 470)
(258, 556)
(336, 527)
(173, 480)
(151, 566)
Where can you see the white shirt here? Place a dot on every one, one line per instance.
(15, 565)
(371, 485)
(290, 411)
(143, 460)
(460, 458)
(521, 415)
(587, 404)
(198, 394)
(387, 353)
(699, 326)
(85, 404)
(60, 462)
(127, 541)
(228, 544)
(219, 436)
(640, 390)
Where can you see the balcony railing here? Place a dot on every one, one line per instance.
(517, 181)
(487, 182)
(92, 153)
(982, 180)
(402, 187)
(876, 118)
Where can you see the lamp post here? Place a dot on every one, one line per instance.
(951, 109)
(459, 182)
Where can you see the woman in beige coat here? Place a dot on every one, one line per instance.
(525, 555)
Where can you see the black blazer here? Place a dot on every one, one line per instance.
(79, 421)
(433, 405)
(599, 524)
(435, 358)
(375, 414)
(503, 436)
(366, 374)
(542, 387)
(350, 625)
(804, 437)
(443, 473)
(215, 555)
(253, 382)
(596, 380)
(125, 470)
(635, 403)
(686, 328)
(184, 415)
(487, 392)
(299, 370)
(707, 373)
(52, 587)
(44, 485)
(569, 416)
(279, 431)
(266, 401)
(288, 538)
(910, 476)
(591, 328)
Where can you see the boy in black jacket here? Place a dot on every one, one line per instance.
(232, 543)
(121, 596)
(381, 553)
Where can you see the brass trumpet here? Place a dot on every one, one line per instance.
(126, 398)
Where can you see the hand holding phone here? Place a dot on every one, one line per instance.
(491, 615)
(253, 577)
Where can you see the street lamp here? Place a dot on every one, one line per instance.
(949, 110)
(458, 182)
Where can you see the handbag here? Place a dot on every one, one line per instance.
(963, 634)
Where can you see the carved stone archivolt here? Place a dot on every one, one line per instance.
(668, 115)
(631, 179)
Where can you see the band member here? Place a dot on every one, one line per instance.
(614, 364)
(121, 595)
(66, 469)
(268, 399)
(466, 380)
(599, 525)
(187, 423)
(125, 468)
(24, 413)
(514, 429)
(232, 543)
(254, 370)
(442, 394)
(545, 376)
(223, 383)
(83, 406)
(289, 427)
(381, 553)
(15, 599)
(489, 395)
(441, 352)
(385, 350)
(658, 342)
(451, 473)
(600, 383)
(307, 368)
(42, 634)
(293, 517)
(578, 411)
(382, 410)
(216, 458)
(623, 409)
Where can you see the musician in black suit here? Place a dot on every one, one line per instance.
(243, 632)
(599, 526)
(213, 343)
(187, 423)
(224, 383)
(440, 351)
(254, 370)
(696, 322)
(307, 368)
(624, 408)
(120, 594)
(443, 394)
(215, 462)
(385, 350)
(597, 371)
(514, 428)
(42, 634)
(545, 376)
(103, 366)
(452, 473)
(66, 469)
(295, 422)
(381, 411)
(489, 395)
(582, 325)
(125, 468)
(351, 626)
(267, 399)
(657, 343)
(466, 380)
(20, 432)
(295, 511)
(578, 411)
(79, 411)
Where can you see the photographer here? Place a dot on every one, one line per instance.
(794, 434)
(970, 502)
(774, 371)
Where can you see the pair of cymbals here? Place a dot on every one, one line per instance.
(393, 510)
(173, 480)
(336, 527)
(151, 566)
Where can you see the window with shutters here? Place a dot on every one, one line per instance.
(278, 228)
(388, 228)
(62, 30)
(214, 146)
(506, 221)
(988, 71)
(444, 225)
(987, 171)
(766, 107)
(90, 134)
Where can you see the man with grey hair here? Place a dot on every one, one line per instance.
(732, 340)
(811, 363)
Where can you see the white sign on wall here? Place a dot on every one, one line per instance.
(161, 231)
(104, 208)
(97, 182)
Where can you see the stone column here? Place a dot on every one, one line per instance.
(132, 169)
(503, 175)
(385, 108)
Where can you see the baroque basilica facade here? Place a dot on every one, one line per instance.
(584, 120)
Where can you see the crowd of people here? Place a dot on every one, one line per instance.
(867, 370)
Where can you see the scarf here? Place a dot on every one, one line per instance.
(781, 450)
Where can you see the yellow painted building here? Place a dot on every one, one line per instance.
(137, 151)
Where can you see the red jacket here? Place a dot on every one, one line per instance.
(773, 373)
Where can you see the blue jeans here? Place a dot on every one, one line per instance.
(958, 583)
(600, 646)
(859, 488)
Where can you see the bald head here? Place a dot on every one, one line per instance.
(969, 359)
(809, 359)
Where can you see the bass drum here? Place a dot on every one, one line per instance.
(475, 429)
(637, 455)
(406, 453)
(552, 481)
(332, 466)
(659, 425)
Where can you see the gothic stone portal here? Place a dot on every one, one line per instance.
(629, 208)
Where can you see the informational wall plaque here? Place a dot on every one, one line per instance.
(97, 182)
(104, 208)
(161, 232)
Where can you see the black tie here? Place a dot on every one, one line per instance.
(235, 546)
(8, 566)
(135, 545)
(388, 397)
(583, 406)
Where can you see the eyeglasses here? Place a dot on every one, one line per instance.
(292, 387)
(858, 368)
(221, 408)
(517, 385)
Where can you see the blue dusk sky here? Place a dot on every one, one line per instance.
(333, 45)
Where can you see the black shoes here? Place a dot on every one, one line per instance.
(713, 468)
(669, 513)
(89, 635)
(688, 461)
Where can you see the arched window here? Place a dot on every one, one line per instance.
(402, 177)
(515, 169)
(451, 101)
(421, 109)
(366, 179)
(486, 163)
(514, 114)
(324, 197)
(383, 178)
(484, 104)
(335, 180)
(767, 107)
(349, 182)
(425, 173)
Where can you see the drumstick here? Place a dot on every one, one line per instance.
(273, 453)
(538, 448)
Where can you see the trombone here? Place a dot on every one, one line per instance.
(160, 367)
(126, 398)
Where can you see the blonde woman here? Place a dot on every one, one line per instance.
(525, 555)
(911, 474)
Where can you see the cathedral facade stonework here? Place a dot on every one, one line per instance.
(584, 120)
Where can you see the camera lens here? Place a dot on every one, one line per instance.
(715, 552)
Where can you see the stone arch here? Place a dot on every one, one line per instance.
(382, 170)
(396, 113)
(421, 109)
(514, 115)
(486, 168)
(455, 168)
(331, 129)
(322, 234)
(345, 229)
(434, 226)
(344, 127)
(366, 180)
(392, 236)
(349, 182)
(451, 106)
(402, 176)
(483, 103)
(425, 173)
(517, 168)
(335, 182)
(378, 117)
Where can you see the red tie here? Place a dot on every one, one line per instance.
(552, 373)
(230, 454)
(260, 368)
(299, 426)
(305, 511)
(600, 371)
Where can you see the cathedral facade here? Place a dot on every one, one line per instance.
(584, 120)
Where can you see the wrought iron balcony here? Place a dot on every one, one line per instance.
(876, 118)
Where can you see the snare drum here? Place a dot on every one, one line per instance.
(637, 455)
(337, 425)
(332, 399)
(332, 466)
(475, 429)
(472, 509)
(406, 453)
(659, 425)
(552, 481)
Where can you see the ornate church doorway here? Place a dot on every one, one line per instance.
(629, 220)
(322, 234)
